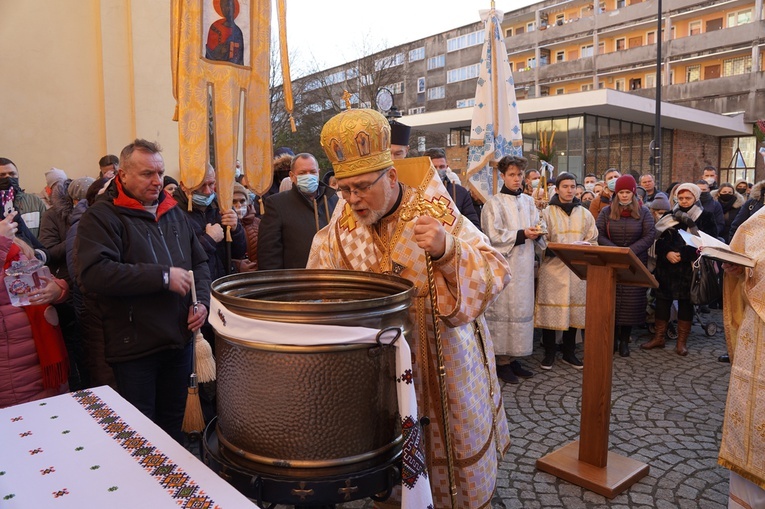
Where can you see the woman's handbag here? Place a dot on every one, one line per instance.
(706, 286)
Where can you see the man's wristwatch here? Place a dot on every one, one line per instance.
(165, 279)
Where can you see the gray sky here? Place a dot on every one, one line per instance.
(325, 33)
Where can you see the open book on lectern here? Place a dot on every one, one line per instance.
(715, 249)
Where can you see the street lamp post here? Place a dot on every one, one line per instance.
(656, 144)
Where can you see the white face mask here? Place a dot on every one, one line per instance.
(534, 183)
(241, 211)
(709, 180)
(589, 186)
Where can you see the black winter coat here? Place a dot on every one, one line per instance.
(122, 254)
(216, 251)
(747, 210)
(464, 202)
(638, 235)
(288, 225)
(675, 278)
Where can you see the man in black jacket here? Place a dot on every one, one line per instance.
(135, 248)
(459, 194)
(210, 223)
(293, 217)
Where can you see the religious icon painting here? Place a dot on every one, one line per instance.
(362, 143)
(226, 31)
(337, 149)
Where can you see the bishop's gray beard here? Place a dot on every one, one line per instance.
(374, 215)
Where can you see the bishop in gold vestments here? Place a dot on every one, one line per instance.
(377, 230)
(743, 436)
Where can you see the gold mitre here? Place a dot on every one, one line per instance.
(357, 141)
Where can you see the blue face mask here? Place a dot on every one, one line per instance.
(202, 200)
(308, 183)
(612, 184)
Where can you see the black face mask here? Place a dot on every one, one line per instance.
(741, 190)
(9, 182)
(725, 197)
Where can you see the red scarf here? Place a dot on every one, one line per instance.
(49, 342)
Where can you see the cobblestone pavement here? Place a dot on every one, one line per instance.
(667, 411)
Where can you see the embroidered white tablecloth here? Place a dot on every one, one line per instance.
(94, 449)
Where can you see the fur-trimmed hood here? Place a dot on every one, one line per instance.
(756, 193)
(740, 198)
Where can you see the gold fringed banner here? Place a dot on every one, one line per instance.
(285, 59)
(220, 51)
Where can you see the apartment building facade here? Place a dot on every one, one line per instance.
(561, 54)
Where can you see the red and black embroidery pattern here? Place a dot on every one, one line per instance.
(413, 452)
(175, 481)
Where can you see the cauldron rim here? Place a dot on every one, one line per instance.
(401, 290)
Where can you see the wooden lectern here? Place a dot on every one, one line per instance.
(587, 462)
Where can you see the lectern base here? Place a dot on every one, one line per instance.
(619, 474)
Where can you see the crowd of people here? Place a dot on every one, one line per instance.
(116, 258)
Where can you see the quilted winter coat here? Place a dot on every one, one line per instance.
(638, 235)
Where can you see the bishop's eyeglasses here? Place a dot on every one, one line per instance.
(360, 191)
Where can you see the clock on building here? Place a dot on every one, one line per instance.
(384, 99)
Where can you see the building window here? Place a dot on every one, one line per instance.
(531, 62)
(601, 7)
(530, 26)
(519, 30)
(650, 80)
(694, 28)
(619, 84)
(436, 62)
(436, 93)
(735, 66)
(417, 54)
(421, 85)
(587, 51)
(621, 4)
(560, 19)
(739, 18)
(601, 48)
(559, 91)
(621, 44)
(389, 61)
(453, 140)
(650, 37)
(397, 88)
(416, 111)
(692, 73)
(587, 87)
(462, 73)
(466, 103)
(509, 32)
(738, 158)
(465, 41)
(560, 56)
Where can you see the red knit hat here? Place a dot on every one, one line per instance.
(625, 182)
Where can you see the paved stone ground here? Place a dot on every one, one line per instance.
(667, 411)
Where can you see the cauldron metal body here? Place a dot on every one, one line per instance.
(303, 408)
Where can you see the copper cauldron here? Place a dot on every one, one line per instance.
(299, 408)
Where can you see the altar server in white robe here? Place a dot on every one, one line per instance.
(511, 221)
(561, 295)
